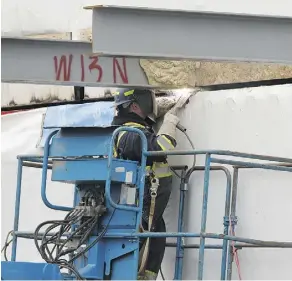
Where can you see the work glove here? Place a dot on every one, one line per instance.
(182, 101)
(168, 126)
(170, 121)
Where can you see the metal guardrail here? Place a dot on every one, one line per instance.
(283, 164)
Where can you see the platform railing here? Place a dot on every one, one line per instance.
(283, 164)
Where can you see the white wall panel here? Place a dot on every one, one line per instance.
(254, 120)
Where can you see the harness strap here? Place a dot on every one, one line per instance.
(159, 170)
(144, 252)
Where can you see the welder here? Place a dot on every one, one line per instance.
(138, 108)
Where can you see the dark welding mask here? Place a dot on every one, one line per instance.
(143, 97)
(147, 102)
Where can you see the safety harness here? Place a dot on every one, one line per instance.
(156, 171)
(159, 169)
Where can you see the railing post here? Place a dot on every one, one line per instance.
(204, 216)
(17, 209)
(179, 248)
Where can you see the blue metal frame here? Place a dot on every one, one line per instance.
(45, 173)
(179, 248)
(226, 259)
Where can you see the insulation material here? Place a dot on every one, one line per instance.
(203, 73)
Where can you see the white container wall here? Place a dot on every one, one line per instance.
(257, 121)
(32, 16)
(20, 133)
(247, 120)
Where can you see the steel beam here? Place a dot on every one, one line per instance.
(175, 35)
(59, 62)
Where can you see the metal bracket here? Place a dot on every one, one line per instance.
(232, 220)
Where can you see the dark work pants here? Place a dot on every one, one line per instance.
(156, 245)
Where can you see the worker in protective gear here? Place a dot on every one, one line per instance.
(137, 108)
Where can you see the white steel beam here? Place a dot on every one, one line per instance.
(58, 62)
(175, 35)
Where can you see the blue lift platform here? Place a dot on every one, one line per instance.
(109, 191)
(81, 153)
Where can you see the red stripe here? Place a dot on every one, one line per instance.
(10, 112)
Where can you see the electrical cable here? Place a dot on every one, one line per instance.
(36, 236)
(65, 225)
(65, 264)
(6, 245)
(161, 273)
(72, 235)
(43, 249)
(192, 145)
(183, 130)
(234, 250)
(82, 233)
(97, 239)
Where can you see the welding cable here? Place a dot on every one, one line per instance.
(183, 130)
(235, 250)
(192, 145)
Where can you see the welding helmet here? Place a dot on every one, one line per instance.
(145, 98)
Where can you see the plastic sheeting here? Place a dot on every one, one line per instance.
(99, 114)
(20, 134)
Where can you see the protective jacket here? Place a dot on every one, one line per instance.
(128, 145)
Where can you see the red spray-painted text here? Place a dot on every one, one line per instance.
(63, 68)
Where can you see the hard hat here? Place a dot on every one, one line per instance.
(145, 98)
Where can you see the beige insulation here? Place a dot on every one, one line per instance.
(192, 73)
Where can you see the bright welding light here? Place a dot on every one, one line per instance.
(182, 91)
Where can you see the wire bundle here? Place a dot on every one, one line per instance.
(55, 254)
(53, 247)
(60, 239)
(81, 234)
(7, 243)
